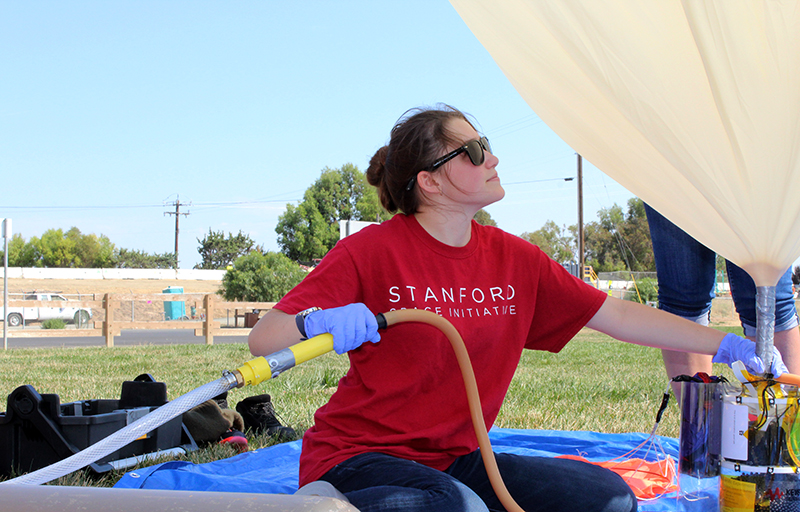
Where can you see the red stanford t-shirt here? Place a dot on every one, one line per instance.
(404, 396)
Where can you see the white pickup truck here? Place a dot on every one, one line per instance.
(16, 315)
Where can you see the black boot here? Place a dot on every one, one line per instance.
(259, 416)
(222, 400)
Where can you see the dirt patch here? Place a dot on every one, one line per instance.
(99, 287)
(139, 310)
(723, 313)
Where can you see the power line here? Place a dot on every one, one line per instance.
(569, 178)
(97, 207)
(132, 206)
(514, 126)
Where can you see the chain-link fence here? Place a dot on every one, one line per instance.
(624, 275)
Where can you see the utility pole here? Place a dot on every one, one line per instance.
(177, 213)
(6, 223)
(581, 261)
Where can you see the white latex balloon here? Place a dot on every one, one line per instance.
(694, 106)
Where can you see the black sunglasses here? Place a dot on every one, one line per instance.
(475, 150)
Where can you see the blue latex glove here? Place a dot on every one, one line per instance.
(350, 325)
(735, 348)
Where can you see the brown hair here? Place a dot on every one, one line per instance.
(418, 138)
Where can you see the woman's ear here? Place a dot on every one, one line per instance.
(428, 183)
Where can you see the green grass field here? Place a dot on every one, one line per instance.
(595, 384)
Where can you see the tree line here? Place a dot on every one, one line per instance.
(308, 230)
(57, 248)
(618, 240)
(73, 249)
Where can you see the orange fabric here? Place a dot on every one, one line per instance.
(647, 479)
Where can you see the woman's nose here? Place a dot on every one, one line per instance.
(491, 160)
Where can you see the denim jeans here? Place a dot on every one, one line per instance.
(380, 482)
(686, 272)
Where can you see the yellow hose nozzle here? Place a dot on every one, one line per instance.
(263, 368)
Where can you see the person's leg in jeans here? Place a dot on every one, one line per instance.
(380, 482)
(787, 334)
(686, 272)
(547, 484)
(686, 268)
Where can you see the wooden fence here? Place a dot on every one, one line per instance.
(115, 312)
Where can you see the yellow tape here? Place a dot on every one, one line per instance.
(258, 370)
(736, 496)
(255, 371)
(312, 347)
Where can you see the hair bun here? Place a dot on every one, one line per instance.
(377, 167)
(376, 176)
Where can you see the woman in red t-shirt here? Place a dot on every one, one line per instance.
(396, 434)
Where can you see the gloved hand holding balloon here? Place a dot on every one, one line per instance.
(735, 348)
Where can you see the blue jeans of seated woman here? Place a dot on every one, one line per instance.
(380, 482)
(686, 272)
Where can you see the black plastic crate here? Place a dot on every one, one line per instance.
(37, 430)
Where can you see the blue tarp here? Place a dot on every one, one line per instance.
(274, 470)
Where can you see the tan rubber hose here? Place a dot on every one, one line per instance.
(464, 363)
(789, 378)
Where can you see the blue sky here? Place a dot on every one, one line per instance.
(112, 111)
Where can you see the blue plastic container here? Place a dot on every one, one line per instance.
(174, 310)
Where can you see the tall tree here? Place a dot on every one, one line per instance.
(20, 253)
(90, 251)
(310, 229)
(53, 249)
(620, 241)
(555, 241)
(218, 250)
(636, 237)
(601, 245)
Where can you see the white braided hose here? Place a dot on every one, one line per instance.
(127, 434)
